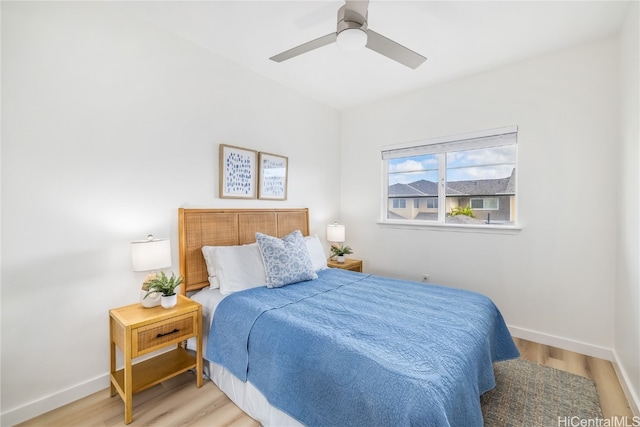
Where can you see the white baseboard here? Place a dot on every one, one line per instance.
(632, 396)
(53, 401)
(564, 343)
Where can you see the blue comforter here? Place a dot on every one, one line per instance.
(351, 349)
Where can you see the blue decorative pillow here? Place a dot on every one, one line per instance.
(286, 260)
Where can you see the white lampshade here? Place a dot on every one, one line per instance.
(151, 254)
(352, 39)
(335, 233)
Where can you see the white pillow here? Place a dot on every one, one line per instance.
(316, 252)
(314, 246)
(286, 260)
(208, 252)
(239, 268)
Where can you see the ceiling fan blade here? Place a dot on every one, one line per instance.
(390, 49)
(304, 48)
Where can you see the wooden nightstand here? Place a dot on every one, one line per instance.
(348, 264)
(136, 331)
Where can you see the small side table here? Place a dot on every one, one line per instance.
(348, 264)
(136, 331)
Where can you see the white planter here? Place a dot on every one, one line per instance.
(170, 301)
(340, 258)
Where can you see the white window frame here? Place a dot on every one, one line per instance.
(442, 145)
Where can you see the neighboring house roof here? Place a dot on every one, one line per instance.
(403, 190)
(480, 187)
(393, 215)
(483, 187)
(511, 185)
(427, 216)
(426, 187)
(415, 189)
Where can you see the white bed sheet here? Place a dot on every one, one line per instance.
(248, 398)
(209, 299)
(244, 394)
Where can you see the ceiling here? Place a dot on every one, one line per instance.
(458, 38)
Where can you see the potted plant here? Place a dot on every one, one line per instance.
(166, 286)
(338, 251)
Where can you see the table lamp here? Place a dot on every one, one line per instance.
(335, 233)
(150, 255)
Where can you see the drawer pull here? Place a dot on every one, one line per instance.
(168, 333)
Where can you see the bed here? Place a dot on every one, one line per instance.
(336, 347)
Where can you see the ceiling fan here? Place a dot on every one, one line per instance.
(352, 33)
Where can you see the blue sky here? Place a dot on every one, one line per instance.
(485, 163)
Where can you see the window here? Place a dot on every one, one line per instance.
(467, 179)
(399, 203)
(488, 203)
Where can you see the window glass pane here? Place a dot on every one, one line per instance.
(491, 203)
(473, 180)
(415, 179)
(477, 203)
(399, 203)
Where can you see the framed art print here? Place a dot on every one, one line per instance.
(273, 177)
(238, 172)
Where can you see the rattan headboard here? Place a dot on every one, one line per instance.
(227, 227)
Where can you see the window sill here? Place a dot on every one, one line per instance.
(463, 228)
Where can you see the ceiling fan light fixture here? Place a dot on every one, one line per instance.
(352, 39)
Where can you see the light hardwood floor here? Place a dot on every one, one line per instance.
(178, 402)
(612, 399)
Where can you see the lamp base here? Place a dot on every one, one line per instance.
(153, 300)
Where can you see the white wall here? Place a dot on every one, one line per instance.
(627, 295)
(108, 126)
(556, 277)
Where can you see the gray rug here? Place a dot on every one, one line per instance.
(532, 395)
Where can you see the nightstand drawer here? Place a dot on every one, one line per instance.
(160, 334)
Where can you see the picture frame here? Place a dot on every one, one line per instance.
(274, 172)
(238, 172)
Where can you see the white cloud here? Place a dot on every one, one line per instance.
(406, 166)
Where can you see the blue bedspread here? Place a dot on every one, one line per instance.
(350, 349)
